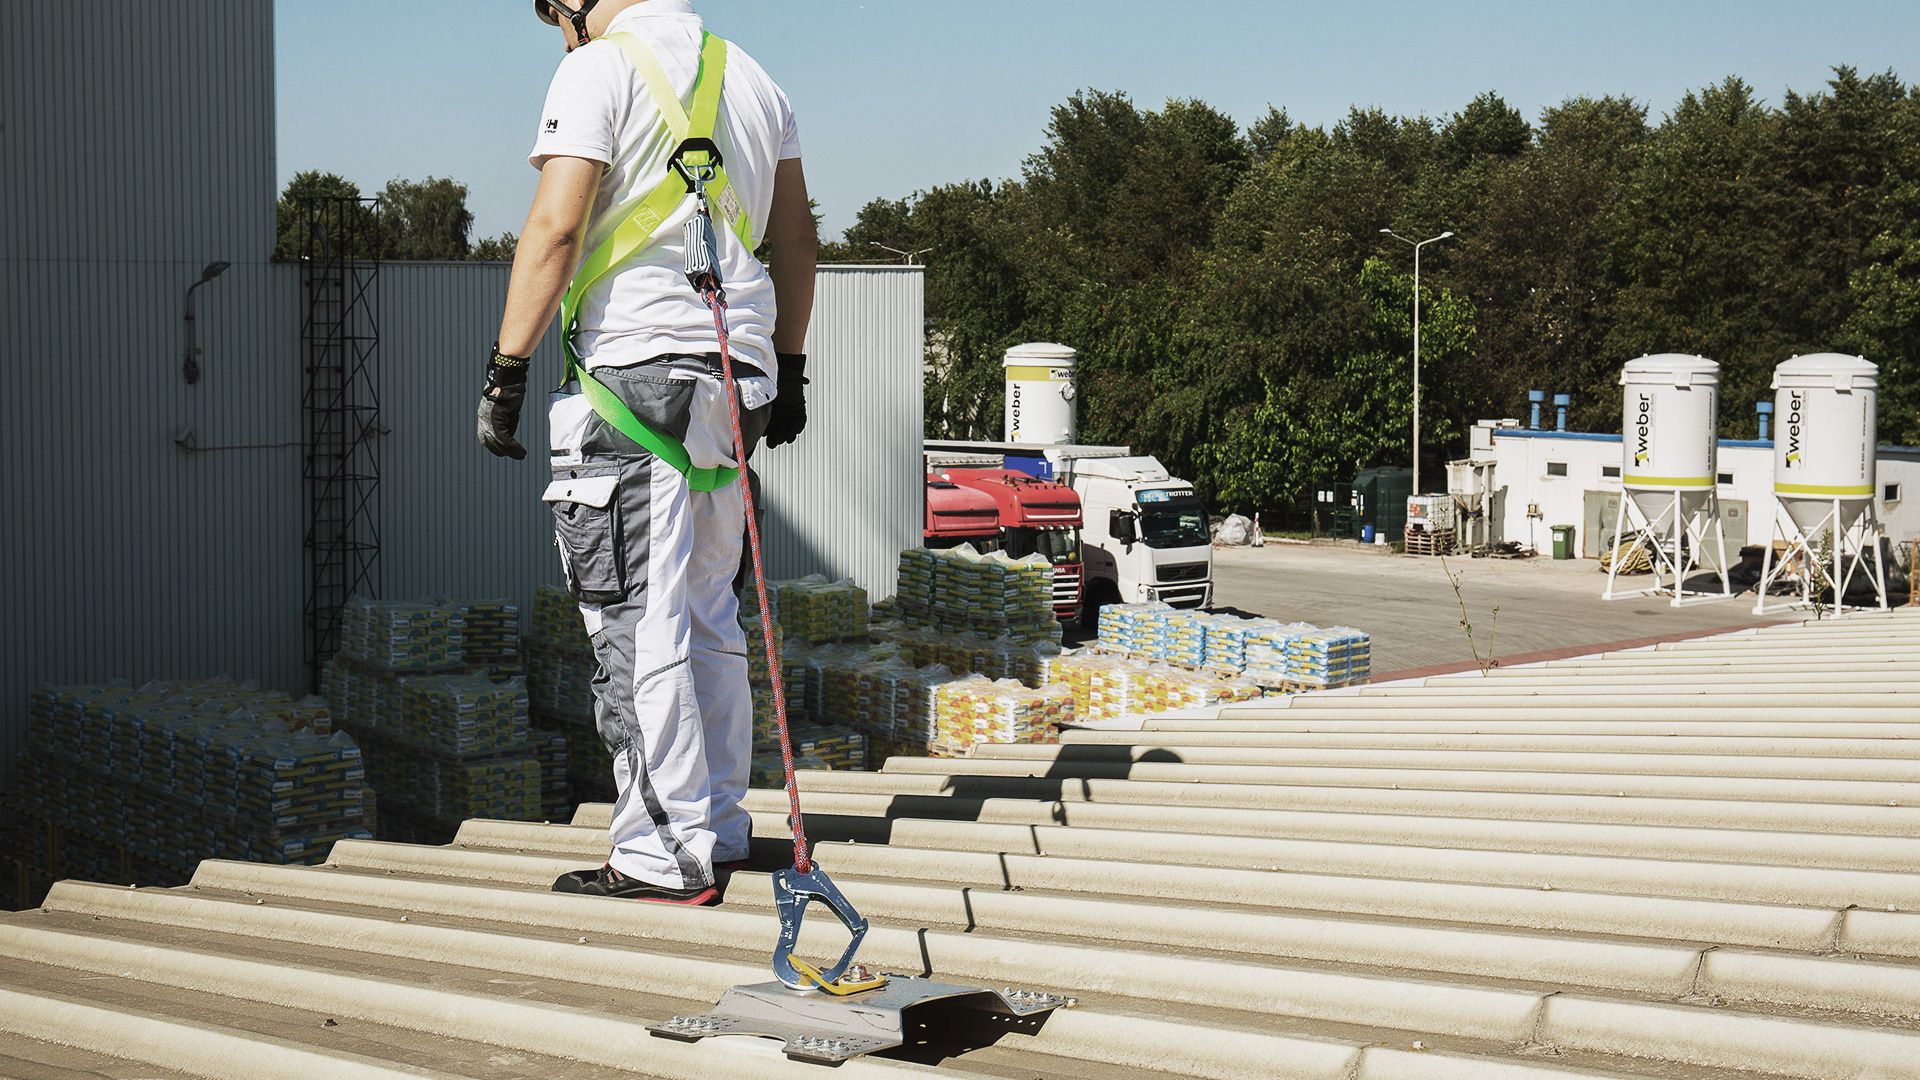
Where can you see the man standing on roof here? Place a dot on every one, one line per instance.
(645, 490)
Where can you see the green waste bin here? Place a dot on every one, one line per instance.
(1563, 541)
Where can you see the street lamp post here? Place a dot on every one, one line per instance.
(1416, 342)
(906, 257)
(190, 369)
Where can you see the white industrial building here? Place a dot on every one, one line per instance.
(1543, 477)
(160, 528)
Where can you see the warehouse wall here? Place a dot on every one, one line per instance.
(132, 159)
(843, 500)
(847, 496)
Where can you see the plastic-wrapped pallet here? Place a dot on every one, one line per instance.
(768, 769)
(490, 634)
(978, 710)
(400, 636)
(463, 715)
(916, 587)
(834, 747)
(1168, 689)
(556, 619)
(1015, 591)
(1135, 629)
(1184, 638)
(1227, 640)
(1266, 652)
(183, 771)
(817, 610)
(1045, 630)
(1113, 690)
(1335, 656)
(1012, 659)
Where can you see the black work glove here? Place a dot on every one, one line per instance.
(500, 402)
(789, 416)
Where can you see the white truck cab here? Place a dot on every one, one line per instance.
(1145, 531)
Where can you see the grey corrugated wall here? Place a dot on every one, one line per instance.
(843, 500)
(846, 497)
(132, 157)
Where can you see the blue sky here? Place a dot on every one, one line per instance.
(899, 95)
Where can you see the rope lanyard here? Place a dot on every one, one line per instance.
(698, 160)
(716, 299)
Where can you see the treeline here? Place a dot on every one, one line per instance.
(408, 219)
(1239, 314)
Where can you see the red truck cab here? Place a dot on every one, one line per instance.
(1034, 517)
(960, 515)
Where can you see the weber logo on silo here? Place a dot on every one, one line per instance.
(1642, 429)
(1795, 402)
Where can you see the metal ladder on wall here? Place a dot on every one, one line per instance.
(340, 414)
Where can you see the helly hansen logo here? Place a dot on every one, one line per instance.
(1642, 425)
(552, 126)
(1795, 403)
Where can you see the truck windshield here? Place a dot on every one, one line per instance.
(1054, 545)
(1174, 523)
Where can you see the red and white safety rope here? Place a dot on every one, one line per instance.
(716, 299)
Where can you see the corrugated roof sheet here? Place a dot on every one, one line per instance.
(1698, 860)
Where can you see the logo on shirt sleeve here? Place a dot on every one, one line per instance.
(551, 126)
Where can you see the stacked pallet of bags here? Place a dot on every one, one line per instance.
(126, 783)
(446, 731)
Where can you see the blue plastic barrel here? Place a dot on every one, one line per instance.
(1366, 534)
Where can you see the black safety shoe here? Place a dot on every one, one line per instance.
(607, 881)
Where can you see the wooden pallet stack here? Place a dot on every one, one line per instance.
(1430, 541)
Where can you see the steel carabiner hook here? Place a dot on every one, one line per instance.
(792, 890)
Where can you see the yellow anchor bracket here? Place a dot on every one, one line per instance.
(845, 986)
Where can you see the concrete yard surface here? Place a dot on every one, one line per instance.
(1409, 606)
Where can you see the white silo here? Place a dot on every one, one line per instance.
(1824, 446)
(1669, 435)
(1040, 393)
(1669, 461)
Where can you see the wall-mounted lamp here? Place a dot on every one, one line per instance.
(190, 370)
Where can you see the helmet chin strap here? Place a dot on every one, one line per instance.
(578, 18)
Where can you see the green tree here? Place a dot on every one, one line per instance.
(1538, 260)
(1885, 323)
(495, 248)
(425, 219)
(1238, 314)
(1487, 128)
(300, 228)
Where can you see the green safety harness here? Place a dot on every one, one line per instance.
(692, 132)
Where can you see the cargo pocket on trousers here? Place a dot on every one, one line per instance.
(587, 530)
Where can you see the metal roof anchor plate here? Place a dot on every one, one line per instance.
(827, 1029)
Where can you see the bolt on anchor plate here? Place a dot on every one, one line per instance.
(826, 1029)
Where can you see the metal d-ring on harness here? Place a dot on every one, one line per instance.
(804, 881)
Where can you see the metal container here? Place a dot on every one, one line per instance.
(1670, 421)
(1040, 393)
(1825, 435)
(1429, 513)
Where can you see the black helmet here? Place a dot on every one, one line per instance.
(550, 11)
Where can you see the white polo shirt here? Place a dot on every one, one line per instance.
(598, 108)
